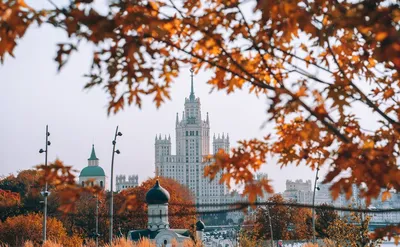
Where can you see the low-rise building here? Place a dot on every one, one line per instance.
(123, 183)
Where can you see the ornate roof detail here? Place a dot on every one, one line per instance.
(157, 195)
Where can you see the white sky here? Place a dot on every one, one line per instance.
(33, 94)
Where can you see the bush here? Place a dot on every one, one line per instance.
(16, 230)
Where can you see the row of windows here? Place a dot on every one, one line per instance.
(92, 184)
(192, 133)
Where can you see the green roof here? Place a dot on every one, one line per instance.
(93, 154)
(92, 171)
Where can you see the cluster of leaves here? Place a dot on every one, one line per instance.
(351, 231)
(319, 62)
(287, 222)
(324, 218)
(20, 194)
(18, 229)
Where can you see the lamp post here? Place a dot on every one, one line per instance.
(114, 142)
(270, 226)
(313, 204)
(97, 220)
(45, 193)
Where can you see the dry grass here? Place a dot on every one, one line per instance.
(121, 242)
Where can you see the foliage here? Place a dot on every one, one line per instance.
(351, 231)
(23, 194)
(319, 62)
(9, 203)
(287, 222)
(246, 239)
(324, 218)
(133, 207)
(31, 228)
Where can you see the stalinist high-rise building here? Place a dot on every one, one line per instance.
(192, 135)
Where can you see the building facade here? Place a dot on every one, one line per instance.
(192, 140)
(93, 174)
(123, 183)
(298, 191)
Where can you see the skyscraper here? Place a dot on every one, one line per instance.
(192, 134)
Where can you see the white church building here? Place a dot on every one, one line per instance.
(93, 174)
(158, 230)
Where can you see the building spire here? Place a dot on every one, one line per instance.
(93, 160)
(93, 154)
(191, 97)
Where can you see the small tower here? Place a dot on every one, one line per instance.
(162, 148)
(157, 199)
(221, 143)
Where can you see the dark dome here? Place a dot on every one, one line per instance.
(157, 195)
(200, 226)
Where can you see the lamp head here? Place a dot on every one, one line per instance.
(117, 151)
(48, 133)
(318, 188)
(48, 143)
(41, 151)
(119, 134)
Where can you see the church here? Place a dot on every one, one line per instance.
(93, 174)
(158, 230)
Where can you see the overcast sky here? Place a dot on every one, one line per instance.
(33, 94)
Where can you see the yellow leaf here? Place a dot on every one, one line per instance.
(368, 144)
(386, 195)
(381, 36)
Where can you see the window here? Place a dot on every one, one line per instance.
(83, 183)
(101, 184)
(160, 214)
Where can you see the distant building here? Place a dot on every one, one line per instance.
(298, 191)
(93, 174)
(323, 196)
(158, 230)
(266, 195)
(192, 136)
(122, 183)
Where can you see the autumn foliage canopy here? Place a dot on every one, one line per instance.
(320, 63)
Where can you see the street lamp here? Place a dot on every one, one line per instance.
(45, 193)
(114, 142)
(313, 204)
(270, 226)
(97, 220)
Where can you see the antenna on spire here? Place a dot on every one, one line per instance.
(192, 97)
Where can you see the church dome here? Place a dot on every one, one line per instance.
(200, 226)
(157, 195)
(92, 171)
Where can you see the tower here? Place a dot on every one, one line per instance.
(162, 147)
(157, 199)
(221, 142)
(192, 132)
